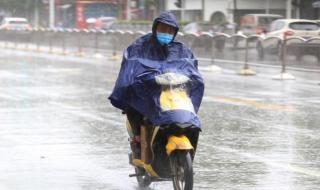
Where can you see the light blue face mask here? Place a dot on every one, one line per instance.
(164, 38)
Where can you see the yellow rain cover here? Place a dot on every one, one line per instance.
(175, 99)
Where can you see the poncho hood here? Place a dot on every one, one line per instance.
(165, 18)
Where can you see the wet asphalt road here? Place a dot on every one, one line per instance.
(58, 131)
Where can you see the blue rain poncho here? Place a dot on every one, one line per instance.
(145, 59)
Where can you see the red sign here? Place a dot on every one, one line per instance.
(81, 20)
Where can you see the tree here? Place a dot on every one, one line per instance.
(18, 7)
(22, 8)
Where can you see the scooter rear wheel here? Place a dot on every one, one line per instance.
(144, 180)
(182, 170)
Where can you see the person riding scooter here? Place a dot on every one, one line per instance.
(158, 45)
(160, 89)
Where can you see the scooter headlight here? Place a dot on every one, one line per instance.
(171, 79)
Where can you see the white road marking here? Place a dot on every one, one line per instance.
(8, 74)
(284, 166)
(78, 111)
(8, 97)
(62, 70)
(249, 103)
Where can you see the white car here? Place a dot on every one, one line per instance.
(281, 28)
(251, 24)
(15, 23)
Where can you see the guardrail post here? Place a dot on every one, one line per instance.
(284, 75)
(38, 32)
(8, 44)
(284, 55)
(50, 32)
(63, 44)
(15, 42)
(103, 34)
(318, 56)
(37, 38)
(64, 49)
(246, 70)
(5, 45)
(246, 54)
(80, 52)
(28, 39)
(212, 66)
(96, 44)
(213, 45)
(80, 48)
(55, 35)
(115, 56)
(41, 37)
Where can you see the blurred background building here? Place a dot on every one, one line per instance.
(74, 13)
(232, 10)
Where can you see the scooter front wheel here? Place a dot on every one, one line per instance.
(182, 170)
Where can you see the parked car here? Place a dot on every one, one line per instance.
(101, 23)
(200, 27)
(291, 28)
(254, 24)
(105, 22)
(15, 23)
(251, 24)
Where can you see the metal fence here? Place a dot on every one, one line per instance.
(212, 46)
